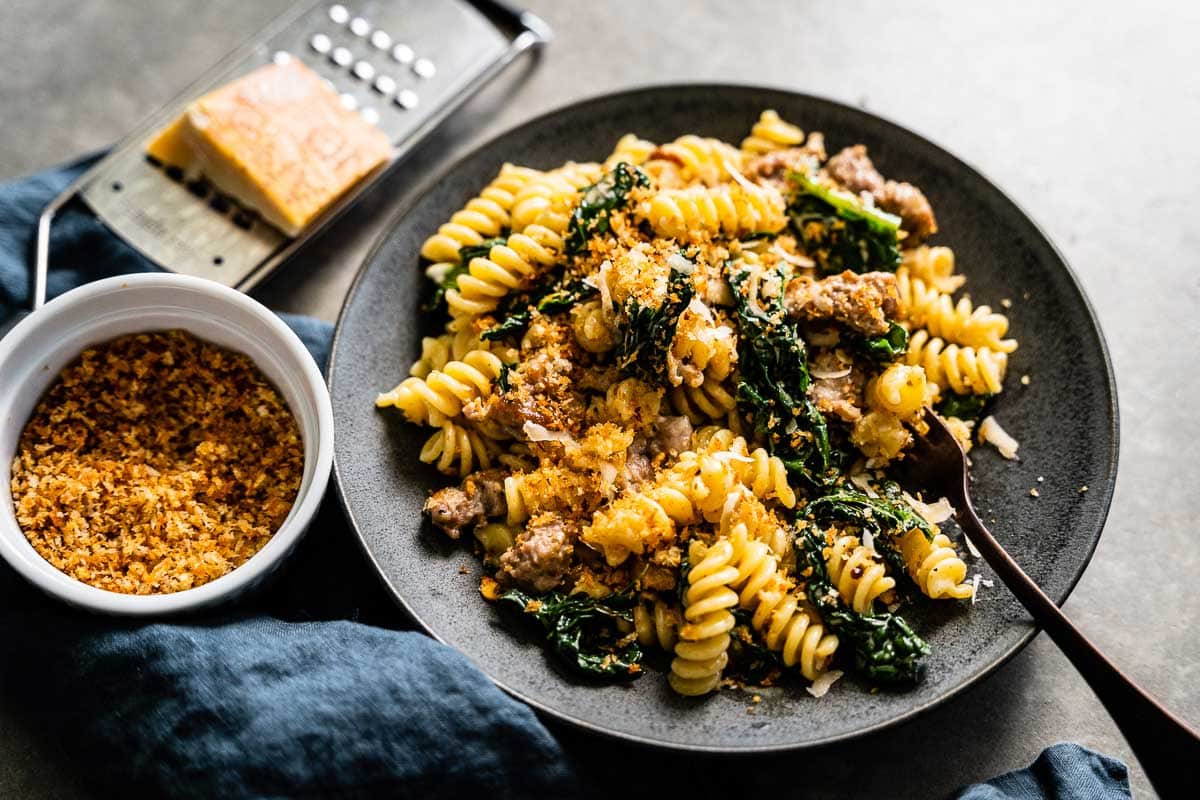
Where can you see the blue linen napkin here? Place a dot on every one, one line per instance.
(1065, 770)
(310, 690)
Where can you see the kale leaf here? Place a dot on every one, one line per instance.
(887, 513)
(584, 631)
(886, 347)
(450, 278)
(554, 298)
(885, 517)
(963, 406)
(592, 216)
(750, 660)
(773, 387)
(886, 649)
(839, 232)
(642, 350)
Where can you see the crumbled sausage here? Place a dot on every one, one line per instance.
(861, 302)
(773, 168)
(910, 204)
(539, 558)
(842, 395)
(455, 509)
(543, 391)
(489, 488)
(658, 578)
(637, 470)
(852, 169)
(674, 435)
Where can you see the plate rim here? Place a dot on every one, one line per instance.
(976, 677)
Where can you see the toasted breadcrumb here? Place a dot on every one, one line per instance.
(157, 462)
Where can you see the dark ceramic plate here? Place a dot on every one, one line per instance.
(1065, 419)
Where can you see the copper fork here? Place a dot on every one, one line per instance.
(1167, 747)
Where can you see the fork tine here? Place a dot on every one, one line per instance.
(936, 462)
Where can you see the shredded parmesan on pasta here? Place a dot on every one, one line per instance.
(608, 474)
(792, 258)
(934, 514)
(823, 682)
(540, 433)
(860, 480)
(829, 374)
(606, 303)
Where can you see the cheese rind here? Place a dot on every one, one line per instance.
(278, 140)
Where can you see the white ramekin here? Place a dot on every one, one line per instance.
(33, 353)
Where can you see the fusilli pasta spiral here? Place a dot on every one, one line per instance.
(757, 470)
(963, 370)
(934, 565)
(788, 627)
(715, 476)
(707, 160)
(962, 323)
(482, 217)
(880, 436)
(549, 199)
(633, 403)
(793, 630)
(631, 149)
(592, 328)
(702, 651)
(857, 572)
(437, 351)
(702, 348)
(935, 266)
(901, 390)
(733, 210)
(458, 450)
(629, 525)
(772, 133)
(700, 404)
(440, 395)
(657, 623)
(517, 510)
(508, 267)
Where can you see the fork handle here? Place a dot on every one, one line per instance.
(1167, 748)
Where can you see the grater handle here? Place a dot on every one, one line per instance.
(534, 29)
(41, 258)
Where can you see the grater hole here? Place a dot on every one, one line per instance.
(219, 204)
(152, 161)
(117, 186)
(175, 174)
(218, 261)
(199, 188)
(243, 220)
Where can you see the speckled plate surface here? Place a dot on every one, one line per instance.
(1065, 419)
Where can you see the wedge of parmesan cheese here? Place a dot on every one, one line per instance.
(277, 140)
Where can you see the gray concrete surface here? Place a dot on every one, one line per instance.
(1087, 113)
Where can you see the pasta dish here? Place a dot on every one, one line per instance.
(669, 386)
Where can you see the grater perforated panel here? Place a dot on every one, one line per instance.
(404, 64)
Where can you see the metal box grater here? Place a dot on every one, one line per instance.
(404, 64)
